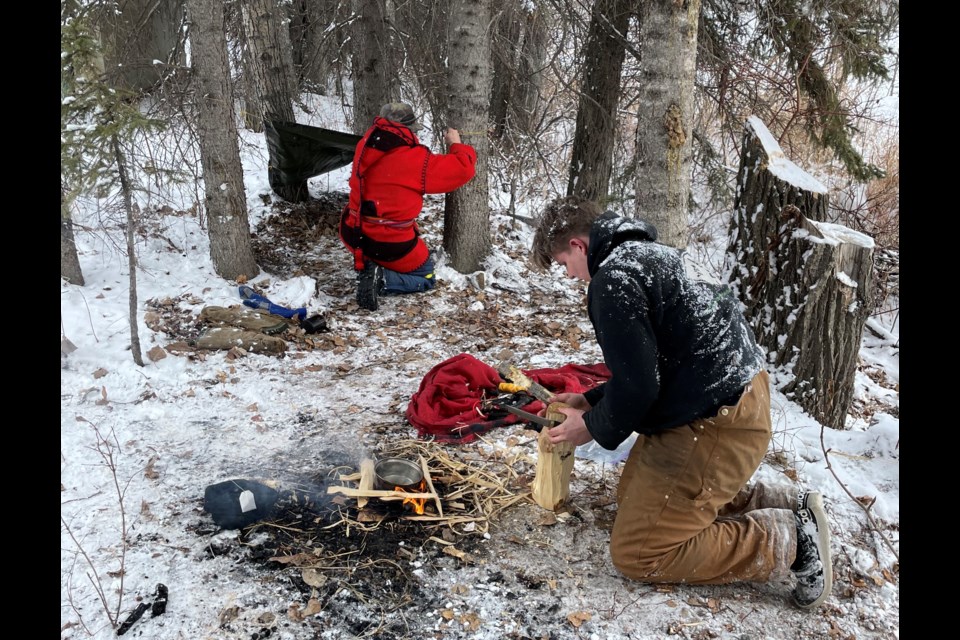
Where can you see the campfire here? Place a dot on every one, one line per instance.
(419, 504)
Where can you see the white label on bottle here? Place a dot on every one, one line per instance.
(247, 501)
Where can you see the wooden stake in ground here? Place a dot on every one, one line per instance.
(367, 476)
(551, 484)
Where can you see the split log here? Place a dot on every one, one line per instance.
(551, 483)
(807, 285)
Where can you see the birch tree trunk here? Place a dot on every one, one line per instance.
(807, 285)
(592, 158)
(225, 201)
(466, 220)
(375, 77)
(668, 34)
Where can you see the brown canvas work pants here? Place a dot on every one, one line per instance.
(685, 513)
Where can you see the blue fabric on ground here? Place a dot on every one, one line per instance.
(418, 280)
(256, 301)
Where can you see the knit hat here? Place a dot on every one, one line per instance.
(401, 113)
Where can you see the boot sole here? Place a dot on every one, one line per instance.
(814, 504)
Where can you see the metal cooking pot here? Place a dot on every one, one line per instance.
(397, 472)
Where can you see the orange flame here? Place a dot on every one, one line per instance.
(418, 504)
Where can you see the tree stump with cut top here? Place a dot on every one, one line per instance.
(806, 285)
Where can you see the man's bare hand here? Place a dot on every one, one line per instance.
(452, 136)
(572, 430)
(574, 400)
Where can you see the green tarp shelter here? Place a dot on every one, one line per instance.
(299, 152)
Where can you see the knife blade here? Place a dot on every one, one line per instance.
(540, 421)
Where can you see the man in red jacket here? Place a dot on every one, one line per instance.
(391, 173)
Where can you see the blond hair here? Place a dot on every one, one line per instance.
(561, 220)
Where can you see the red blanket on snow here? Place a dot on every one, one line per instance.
(447, 407)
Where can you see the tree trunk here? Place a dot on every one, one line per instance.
(225, 201)
(241, 58)
(419, 23)
(592, 158)
(466, 228)
(807, 285)
(668, 35)
(69, 261)
(136, 34)
(506, 34)
(533, 56)
(316, 38)
(268, 37)
(375, 78)
(131, 228)
(518, 54)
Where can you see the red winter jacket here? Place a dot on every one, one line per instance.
(391, 173)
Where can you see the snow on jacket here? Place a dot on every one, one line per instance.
(677, 349)
(391, 173)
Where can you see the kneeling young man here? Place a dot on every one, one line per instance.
(689, 378)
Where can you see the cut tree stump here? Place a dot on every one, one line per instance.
(806, 285)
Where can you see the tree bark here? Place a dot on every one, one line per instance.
(592, 158)
(518, 55)
(69, 260)
(807, 285)
(225, 201)
(506, 32)
(137, 33)
(420, 22)
(668, 35)
(265, 25)
(375, 77)
(130, 211)
(316, 38)
(466, 228)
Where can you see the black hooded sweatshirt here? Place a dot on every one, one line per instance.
(678, 349)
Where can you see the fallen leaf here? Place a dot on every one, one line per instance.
(295, 559)
(471, 621)
(313, 577)
(150, 472)
(547, 519)
(463, 556)
(294, 613)
(313, 607)
(446, 614)
(257, 418)
(253, 407)
(156, 354)
(228, 615)
(99, 373)
(577, 618)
